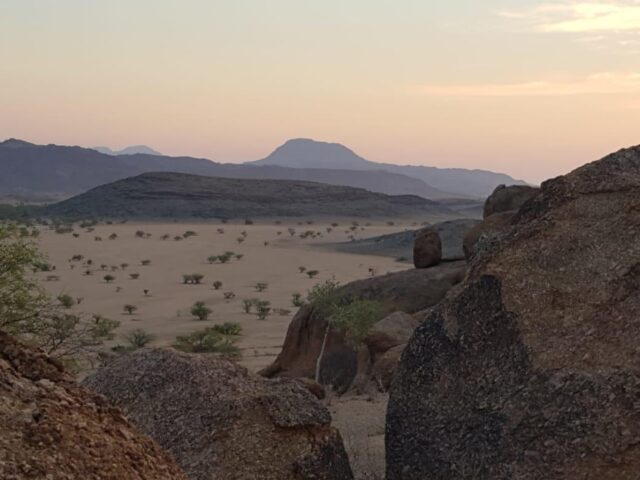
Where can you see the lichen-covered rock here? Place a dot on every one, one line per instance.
(51, 428)
(409, 291)
(220, 421)
(427, 249)
(507, 199)
(530, 369)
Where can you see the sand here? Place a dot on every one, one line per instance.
(164, 312)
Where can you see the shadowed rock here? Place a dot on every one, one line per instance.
(529, 369)
(52, 428)
(221, 421)
(427, 249)
(506, 199)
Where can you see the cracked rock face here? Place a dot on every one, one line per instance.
(530, 369)
(50, 428)
(220, 421)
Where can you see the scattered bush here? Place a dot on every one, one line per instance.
(145, 263)
(134, 276)
(208, 340)
(192, 279)
(261, 286)
(200, 310)
(138, 338)
(312, 273)
(217, 285)
(229, 295)
(130, 309)
(109, 278)
(263, 309)
(247, 305)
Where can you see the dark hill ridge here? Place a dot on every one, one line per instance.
(457, 182)
(177, 195)
(52, 170)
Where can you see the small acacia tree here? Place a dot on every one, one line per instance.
(263, 309)
(28, 312)
(200, 311)
(217, 285)
(109, 278)
(130, 309)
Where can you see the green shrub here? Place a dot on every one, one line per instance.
(208, 340)
(138, 338)
(200, 310)
(66, 300)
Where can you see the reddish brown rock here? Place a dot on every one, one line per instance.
(50, 428)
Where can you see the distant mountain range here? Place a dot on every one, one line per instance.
(456, 182)
(29, 169)
(132, 150)
(184, 196)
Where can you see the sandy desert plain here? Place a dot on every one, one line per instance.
(267, 257)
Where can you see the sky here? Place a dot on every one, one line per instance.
(532, 88)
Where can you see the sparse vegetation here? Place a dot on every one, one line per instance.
(138, 338)
(134, 276)
(312, 273)
(217, 285)
(192, 279)
(28, 312)
(229, 295)
(211, 340)
(261, 286)
(108, 278)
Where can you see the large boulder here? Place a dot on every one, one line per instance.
(409, 291)
(491, 229)
(220, 421)
(427, 249)
(51, 428)
(393, 330)
(507, 199)
(529, 369)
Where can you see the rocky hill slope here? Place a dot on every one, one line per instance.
(529, 369)
(222, 422)
(176, 195)
(61, 171)
(50, 428)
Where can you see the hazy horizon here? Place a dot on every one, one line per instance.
(529, 88)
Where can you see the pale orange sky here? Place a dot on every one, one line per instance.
(530, 88)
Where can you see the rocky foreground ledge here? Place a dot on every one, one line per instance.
(530, 369)
(51, 428)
